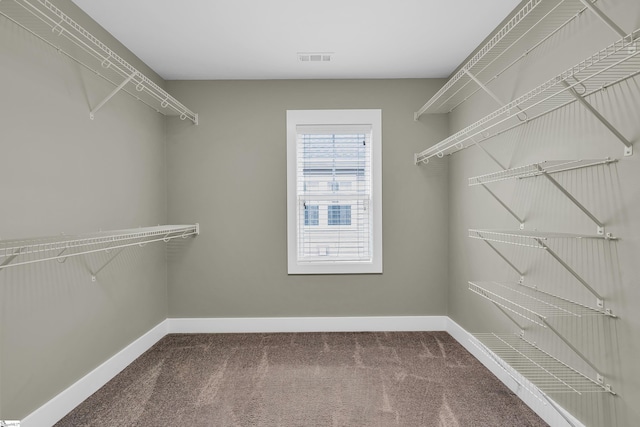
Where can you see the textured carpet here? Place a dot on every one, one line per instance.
(305, 379)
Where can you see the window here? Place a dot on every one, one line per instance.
(334, 194)
(339, 215)
(311, 215)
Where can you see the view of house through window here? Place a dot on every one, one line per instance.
(334, 211)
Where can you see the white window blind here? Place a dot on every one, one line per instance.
(333, 171)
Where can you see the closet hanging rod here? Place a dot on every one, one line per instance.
(59, 30)
(537, 20)
(62, 247)
(607, 67)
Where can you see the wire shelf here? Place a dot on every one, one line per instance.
(61, 247)
(531, 304)
(607, 67)
(45, 21)
(531, 239)
(537, 20)
(543, 370)
(536, 169)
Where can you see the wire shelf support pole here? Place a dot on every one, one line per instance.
(516, 269)
(600, 14)
(111, 95)
(628, 147)
(95, 273)
(504, 205)
(599, 298)
(600, 228)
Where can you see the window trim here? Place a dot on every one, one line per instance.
(371, 117)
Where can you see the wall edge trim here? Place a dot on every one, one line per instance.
(307, 324)
(56, 408)
(544, 411)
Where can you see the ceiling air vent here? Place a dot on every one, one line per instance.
(314, 56)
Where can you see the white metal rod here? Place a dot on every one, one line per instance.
(10, 258)
(571, 168)
(505, 258)
(108, 262)
(116, 90)
(485, 88)
(520, 221)
(568, 268)
(571, 346)
(488, 154)
(600, 14)
(508, 315)
(193, 233)
(597, 114)
(573, 199)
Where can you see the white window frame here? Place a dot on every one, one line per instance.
(371, 117)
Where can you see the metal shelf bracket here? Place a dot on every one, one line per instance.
(507, 261)
(628, 150)
(570, 270)
(599, 224)
(94, 274)
(504, 205)
(600, 14)
(112, 94)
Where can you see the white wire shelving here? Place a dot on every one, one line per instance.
(538, 240)
(535, 22)
(532, 304)
(532, 239)
(607, 67)
(545, 169)
(21, 252)
(537, 169)
(546, 372)
(45, 21)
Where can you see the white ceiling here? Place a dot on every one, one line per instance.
(260, 39)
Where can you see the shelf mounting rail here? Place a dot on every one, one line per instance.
(58, 30)
(617, 62)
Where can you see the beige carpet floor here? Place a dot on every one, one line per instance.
(305, 379)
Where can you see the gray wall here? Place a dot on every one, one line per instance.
(611, 192)
(62, 172)
(229, 174)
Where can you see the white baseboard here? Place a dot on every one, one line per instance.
(59, 406)
(308, 324)
(52, 411)
(544, 410)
